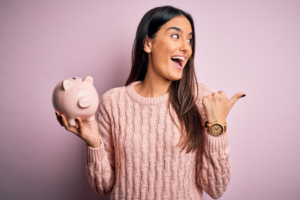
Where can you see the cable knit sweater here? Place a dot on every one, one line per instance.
(138, 158)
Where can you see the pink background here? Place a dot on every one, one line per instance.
(250, 47)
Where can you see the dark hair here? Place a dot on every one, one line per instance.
(181, 92)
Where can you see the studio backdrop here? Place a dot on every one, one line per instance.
(241, 46)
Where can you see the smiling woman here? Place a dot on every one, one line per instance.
(171, 46)
(166, 62)
(144, 126)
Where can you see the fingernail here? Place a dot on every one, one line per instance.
(243, 95)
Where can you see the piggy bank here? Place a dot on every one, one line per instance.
(76, 97)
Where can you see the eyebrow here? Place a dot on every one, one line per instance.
(178, 29)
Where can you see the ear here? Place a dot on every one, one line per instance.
(88, 79)
(148, 45)
(66, 84)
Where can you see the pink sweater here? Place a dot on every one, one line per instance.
(138, 158)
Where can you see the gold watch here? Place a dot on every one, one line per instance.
(216, 128)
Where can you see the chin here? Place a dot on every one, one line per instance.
(176, 77)
(174, 74)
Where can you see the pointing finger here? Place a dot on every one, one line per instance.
(235, 97)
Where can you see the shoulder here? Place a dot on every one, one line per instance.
(111, 95)
(107, 100)
(203, 90)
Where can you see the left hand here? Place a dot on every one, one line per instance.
(217, 106)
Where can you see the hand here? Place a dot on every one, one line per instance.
(217, 106)
(88, 131)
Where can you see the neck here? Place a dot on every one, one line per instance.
(153, 85)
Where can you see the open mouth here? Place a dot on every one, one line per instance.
(177, 61)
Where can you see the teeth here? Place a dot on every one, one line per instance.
(177, 57)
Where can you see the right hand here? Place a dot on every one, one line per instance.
(88, 131)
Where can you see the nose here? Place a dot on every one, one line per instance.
(84, 102)
(185, 46)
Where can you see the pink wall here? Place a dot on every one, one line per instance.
(250, 47)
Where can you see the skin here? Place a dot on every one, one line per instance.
(160, 74)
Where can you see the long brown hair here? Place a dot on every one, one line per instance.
(181, 92)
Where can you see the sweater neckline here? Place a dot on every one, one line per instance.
(145, 100)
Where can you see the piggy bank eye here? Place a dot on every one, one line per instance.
(83, 89)
(77, 89)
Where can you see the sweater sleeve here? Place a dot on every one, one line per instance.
(214, 169)
(100, 164)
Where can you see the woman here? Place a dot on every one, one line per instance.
(135, 147)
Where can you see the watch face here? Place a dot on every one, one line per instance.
(216, 130)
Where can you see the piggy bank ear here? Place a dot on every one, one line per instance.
(88, 79)
(66, 84)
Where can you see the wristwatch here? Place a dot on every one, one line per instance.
(216, 128)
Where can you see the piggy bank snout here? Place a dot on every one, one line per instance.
(84, 102)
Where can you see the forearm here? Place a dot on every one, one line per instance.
(214, 168)
(98, 169)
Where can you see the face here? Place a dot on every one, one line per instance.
(174, 38)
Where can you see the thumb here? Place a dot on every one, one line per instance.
(235, 97)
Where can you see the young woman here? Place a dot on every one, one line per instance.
(135, 147)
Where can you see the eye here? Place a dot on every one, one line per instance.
(175, 34)
(191, 40)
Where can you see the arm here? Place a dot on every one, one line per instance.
(214, 165)
(100, 164)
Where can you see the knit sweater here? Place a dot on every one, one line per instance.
(138, 158)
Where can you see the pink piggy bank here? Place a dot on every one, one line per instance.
(76, 97)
